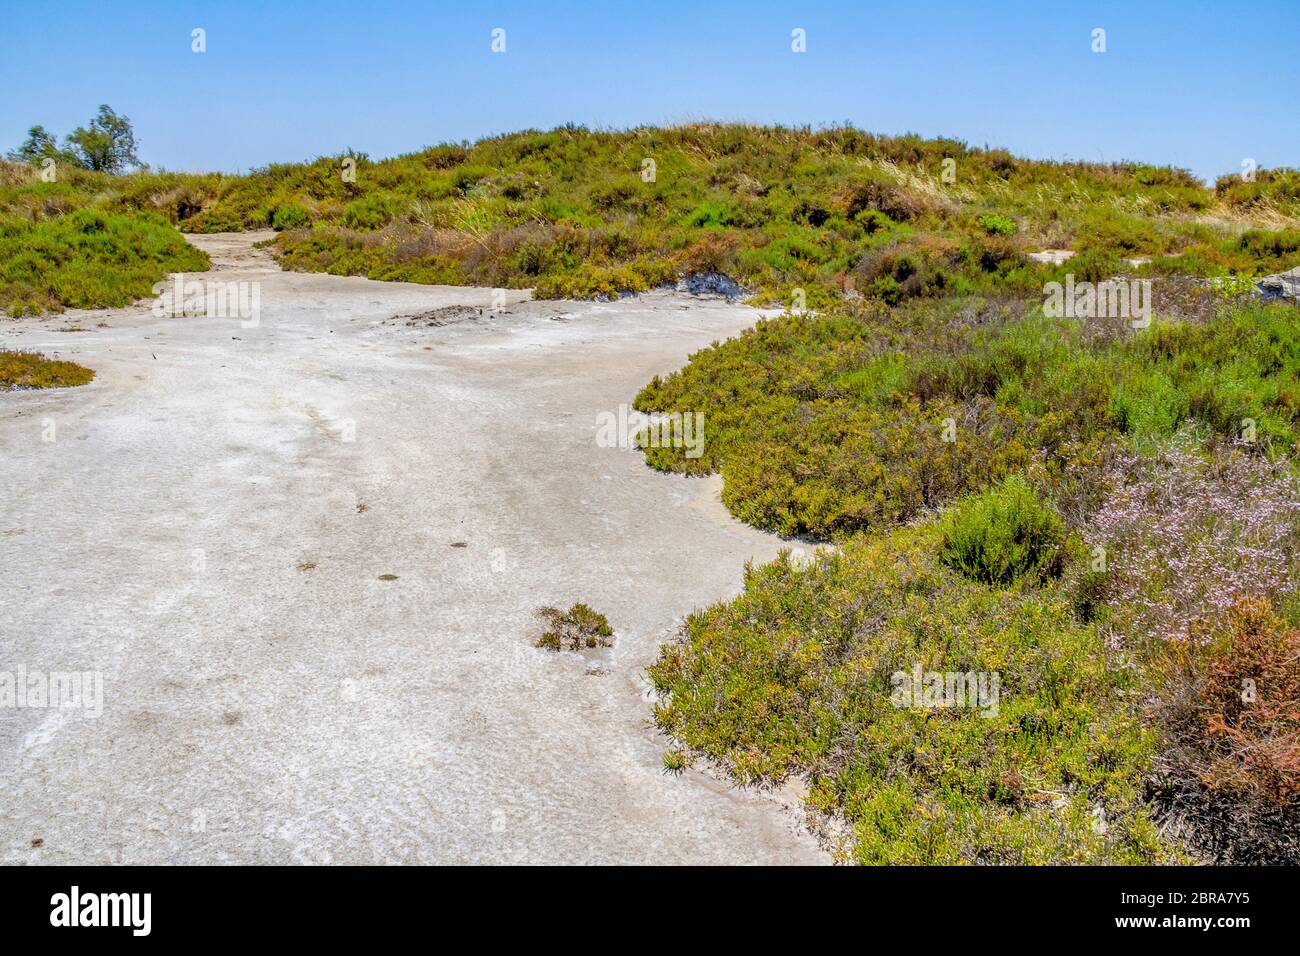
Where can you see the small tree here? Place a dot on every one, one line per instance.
(106, 145)
(39, 144)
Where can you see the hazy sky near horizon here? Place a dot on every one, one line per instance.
(1195, 84)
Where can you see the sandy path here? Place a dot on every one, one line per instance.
(255, 712)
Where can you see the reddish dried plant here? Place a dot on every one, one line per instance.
(1235, 705)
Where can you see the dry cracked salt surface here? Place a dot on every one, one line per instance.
(318, 650)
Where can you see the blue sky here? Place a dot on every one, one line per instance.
(1199, 85)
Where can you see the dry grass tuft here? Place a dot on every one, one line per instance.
(574, 629)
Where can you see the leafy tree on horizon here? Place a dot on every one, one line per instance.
(39, 144)
(106, 144)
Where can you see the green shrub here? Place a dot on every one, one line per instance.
(372, 212)
(1003, 534)
(1092, 265)
(290, 217)
(708, 214)
(1231, 287)
(873, 221)
(996, 225)
(674, 761)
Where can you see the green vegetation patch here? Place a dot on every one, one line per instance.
(1075, 506)
(33, 370)
(868, 416)
(799, 675)
(793, 214)
(789, 213)
(88, 259)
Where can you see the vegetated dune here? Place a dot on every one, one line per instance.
(577, 213)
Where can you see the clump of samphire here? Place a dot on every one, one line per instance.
(574, 629)
(22, 370)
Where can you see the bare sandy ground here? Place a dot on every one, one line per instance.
(208, 524)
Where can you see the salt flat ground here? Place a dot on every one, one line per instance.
(207, 522)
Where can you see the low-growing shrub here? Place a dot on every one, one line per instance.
(835, 422)
(800, 675)
(674, 761)
(996, 225)
(290, 217)
(906, 270)
(1250, 695)
(33, 370)
(1182, 533)
(88, 259)
(369, 213)
(1003, 534)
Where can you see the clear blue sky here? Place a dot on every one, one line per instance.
(1196, 84)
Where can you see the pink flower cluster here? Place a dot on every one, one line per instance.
(1187, 533)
